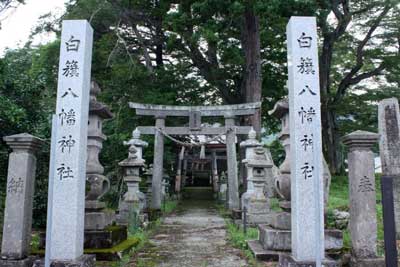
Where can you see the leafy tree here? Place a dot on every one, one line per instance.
(6, 6)
(354, 48)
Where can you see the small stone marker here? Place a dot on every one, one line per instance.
(66, 223)
(306, 148)
(389, 129)
(363, 224)
(20, 189)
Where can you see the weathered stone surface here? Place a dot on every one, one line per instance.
(194, 237)
(220, 110)
(99, 220)
(65, 221)
(280, 220)
(367, 262)
(254, 200)
(26, 262)
(363, 223)
(389, 148)
(82, 261)
(274, 239)
(306, 164)
(20, 189)
(105, 238)
(262, 254)
(289, 261)
(158, 165)
(233, 183)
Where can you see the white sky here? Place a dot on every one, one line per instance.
(15, 29)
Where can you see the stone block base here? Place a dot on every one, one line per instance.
(27, 262)
(286, 260)
(236, 214)
(370, 262)
(106, 238)
(276, 239)
(262, 254)
(280, 220)
(98, 220)
(82, 261)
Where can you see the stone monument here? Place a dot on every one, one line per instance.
(389, 130)
(66, 205)
(17, 226)
(275, 236)
(363, 224)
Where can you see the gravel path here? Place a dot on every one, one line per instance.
(193, 237)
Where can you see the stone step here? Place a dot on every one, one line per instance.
(199, 193)
(262, 254)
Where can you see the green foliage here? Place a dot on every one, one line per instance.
(197, 58)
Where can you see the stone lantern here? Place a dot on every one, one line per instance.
(254, 201)
(223, 187)
(148, 174)
(96, 218)
(249, 145)
(133, 200)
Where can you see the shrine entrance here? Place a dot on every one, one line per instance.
(215, 143)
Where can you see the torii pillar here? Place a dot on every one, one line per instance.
(158, 164)
(233, 185)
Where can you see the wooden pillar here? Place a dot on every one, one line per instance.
(233, 187)
(178, 178)
(214, 171)
(158, 164)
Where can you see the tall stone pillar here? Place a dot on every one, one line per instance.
(18, 210)
(158, 164)
(363, 224)
(389, 146)
(233, 186)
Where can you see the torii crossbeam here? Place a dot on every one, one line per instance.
(229, 112)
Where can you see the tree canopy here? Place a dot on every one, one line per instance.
(207, 52)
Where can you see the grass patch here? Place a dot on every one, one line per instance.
(169, 206)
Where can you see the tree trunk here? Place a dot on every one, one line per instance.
(252, 75)
(331, 144)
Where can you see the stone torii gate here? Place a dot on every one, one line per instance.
(229, 112)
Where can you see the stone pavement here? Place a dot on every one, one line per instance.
(193, 237)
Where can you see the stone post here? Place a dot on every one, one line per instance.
(389, 129)
(233, 187)
(17, 226)
(149, 176)
(158, 164)
(363, 224)
(96, 218)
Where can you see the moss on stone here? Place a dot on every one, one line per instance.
(127, 244)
